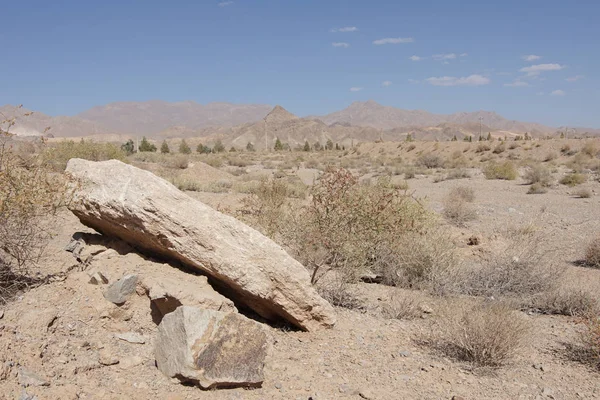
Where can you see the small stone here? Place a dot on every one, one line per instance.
(405, 353)
(26, 396)
(29, 378)
(106, 358)
(130, 362)
(278, 385)
(121, 290)
(366, 394)
(548, 392)
(538, 366)
(344, 388)
(426, 309)
(131, 337)
(98, 278)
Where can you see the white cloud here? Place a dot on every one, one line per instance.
(540, 93)
(386, 83)
(340, 44)
(531, 57)
(415, 58)
(413, 81)
(536, 69)
(471, 80)
(225, 3)
(557, 93)
(356, 89)
(517, 83)
(345, 29)
(574, 78)
(464, 54)
(442, 57)
(379, 42)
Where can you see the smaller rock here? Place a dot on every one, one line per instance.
(539, 366)
(426, 309)
(405, 353)
(130, 362)
(344, 388)
(278, 385)
(473, 241)
(98, 278)
(1, 314)
(131, 337)
(121, 290)
(107, 358)
(26, 396)
(29, 378)
(366, 394)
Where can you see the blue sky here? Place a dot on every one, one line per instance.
(62, 57)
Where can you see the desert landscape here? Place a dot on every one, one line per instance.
(299, 200)
(433, 269)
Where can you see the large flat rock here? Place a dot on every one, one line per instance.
(148, 212)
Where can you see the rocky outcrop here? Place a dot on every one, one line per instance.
(146, 211)
(211, 348)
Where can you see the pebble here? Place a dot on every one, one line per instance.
(29, 378)
(131, 337)
(121, 290)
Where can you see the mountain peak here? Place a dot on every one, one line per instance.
(279, 115)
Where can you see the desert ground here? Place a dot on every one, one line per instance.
(57, 337)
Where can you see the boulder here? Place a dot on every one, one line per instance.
(169, 293)
(211, 348)
(151, 214)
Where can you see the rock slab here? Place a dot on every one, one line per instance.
(211, 348)
(151, 214)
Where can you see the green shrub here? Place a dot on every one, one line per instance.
(57, 155)
(505, 170)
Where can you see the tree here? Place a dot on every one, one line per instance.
(306, 146)
(278, 145)
(200, 148)
(250, 147)
(128, 147)
(489, 137)
(329, 144)
(146, 146)
(164, 148)
(409, 137)
(232, 149)
(337, 146)
(184, 148)
(218, 147)
(317, 146)
(454, 138)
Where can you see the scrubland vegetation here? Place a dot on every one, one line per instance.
(350, 214)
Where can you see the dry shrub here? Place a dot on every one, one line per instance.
(487, 334)
(552, 155)
(457, 205)
(591, 339)
(185, 183)
(430, 161)
(565, 302)
(518, 269)
(482, 147)
(583, 193)
(513, 146)
(458, 173)
(573, 179)
(590, 149)
(420, 261)
(30, 193)
(177, 161)
(267, 207)
(505, 170)
(538, 174)
(500, 148)
(537, 188)
(402, 306)
(592, 253)
(57, 155)
(339, 293)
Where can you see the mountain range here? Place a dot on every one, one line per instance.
(239, 124)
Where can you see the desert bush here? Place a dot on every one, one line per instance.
(409, 173)
(220, 186)
(346, 223)
(185, 183)
(566, 150)
(339, 293)
(537, 188)
(178, 161)
(583, 193)
(592, 253)
(239, 162)
(550, 156)
(268, 206)
(500, 148)
(505, 170)
(518, 269)
(57, 155)
(213, 161)
(565, 302)
(486, 334)
(429, 161)
(482, 147)
(29, 195)
(591, 340)
(458, 173)
(573, 179)
(513, 146)
(590, 149)
(457, 205)
(402, 306)
(538, 174)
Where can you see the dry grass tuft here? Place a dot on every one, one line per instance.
(485, 334)
(592, 253)
(505, 170)
(457, 205)
(583, 193)
(538, 174)
(402, 306)
(573, 179)
(565, 302)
